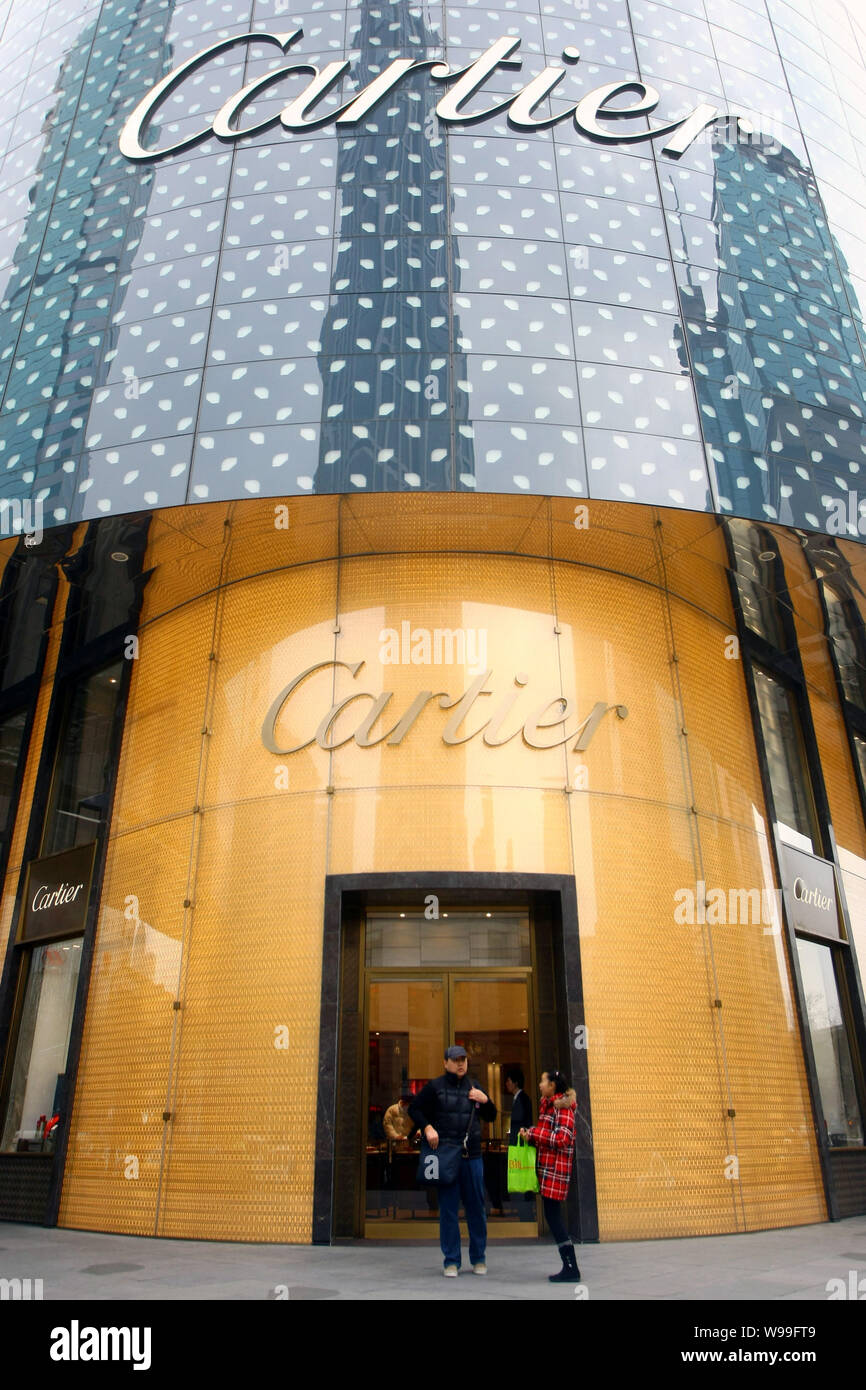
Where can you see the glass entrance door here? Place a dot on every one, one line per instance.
(407, 1022)
(491, 1020)
(413, 1013)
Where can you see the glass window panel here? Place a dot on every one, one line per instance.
(491, 1020)
(43, 1041)
(11, 739)
(622, 278)
(82, 769)
(646, 468)
(505, 264)
(860, 747)
(627, 399)
(604, 173)
(108, 587)
(456, 938)
(133, 476)
(662, 61)
(23, 618)
(842, 1118)
(846, 633)
(629, 337)
(522, 458)
(789, 776)
(404, 1049)
(756, 581)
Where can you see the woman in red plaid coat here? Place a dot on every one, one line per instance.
(553, 1138)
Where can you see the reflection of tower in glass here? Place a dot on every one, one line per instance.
(778, 366)
(76, 246)
(387, 355)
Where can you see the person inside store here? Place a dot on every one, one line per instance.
(449, 1110)
(397, 1121)
(521, 1118)
(553, 1138)
(521, 1105)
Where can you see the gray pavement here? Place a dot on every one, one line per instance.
(791, 1264)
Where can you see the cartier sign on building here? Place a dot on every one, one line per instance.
(809, 888)
(499, 728)
(299, 113)
(55, 895)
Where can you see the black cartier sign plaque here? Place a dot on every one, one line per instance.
(56, 894)
(809, 886)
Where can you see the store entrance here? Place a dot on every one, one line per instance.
(465, 978)
(413, 962)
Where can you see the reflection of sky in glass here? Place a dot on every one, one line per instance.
(404, 306)
(391, 373)
(777, 361)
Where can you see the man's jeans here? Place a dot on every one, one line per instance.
(468, 1191)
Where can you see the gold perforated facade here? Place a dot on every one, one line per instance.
(208, 946)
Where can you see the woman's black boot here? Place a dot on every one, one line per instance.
(569, 1274)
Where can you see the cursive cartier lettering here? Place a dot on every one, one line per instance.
(66, 893)
(593, 115)
(134, 128)
(813, 897)
(553, 714)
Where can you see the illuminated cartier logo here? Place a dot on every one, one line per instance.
(550, 715)
(299, 114)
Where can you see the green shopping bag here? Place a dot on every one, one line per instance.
(522, 1176)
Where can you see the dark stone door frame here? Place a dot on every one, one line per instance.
(557, 892)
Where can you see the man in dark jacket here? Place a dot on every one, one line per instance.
(521, 1105)
(445, 1110)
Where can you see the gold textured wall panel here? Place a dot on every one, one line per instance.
(185, 549)
(271, 535)
(694, 565)
(163, 744)
(761, 1069)
(657, 1107)
(719, 743)
(240, 1146)
(232, 614)
(116, 1143)
(613, 648)
(378, 595)
(430, 829)
(271, 629)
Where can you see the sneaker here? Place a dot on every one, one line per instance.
(479, 1268)
(450, 1271)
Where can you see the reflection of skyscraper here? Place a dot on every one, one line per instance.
(777, 361)
(388, 360)
(75, 251)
